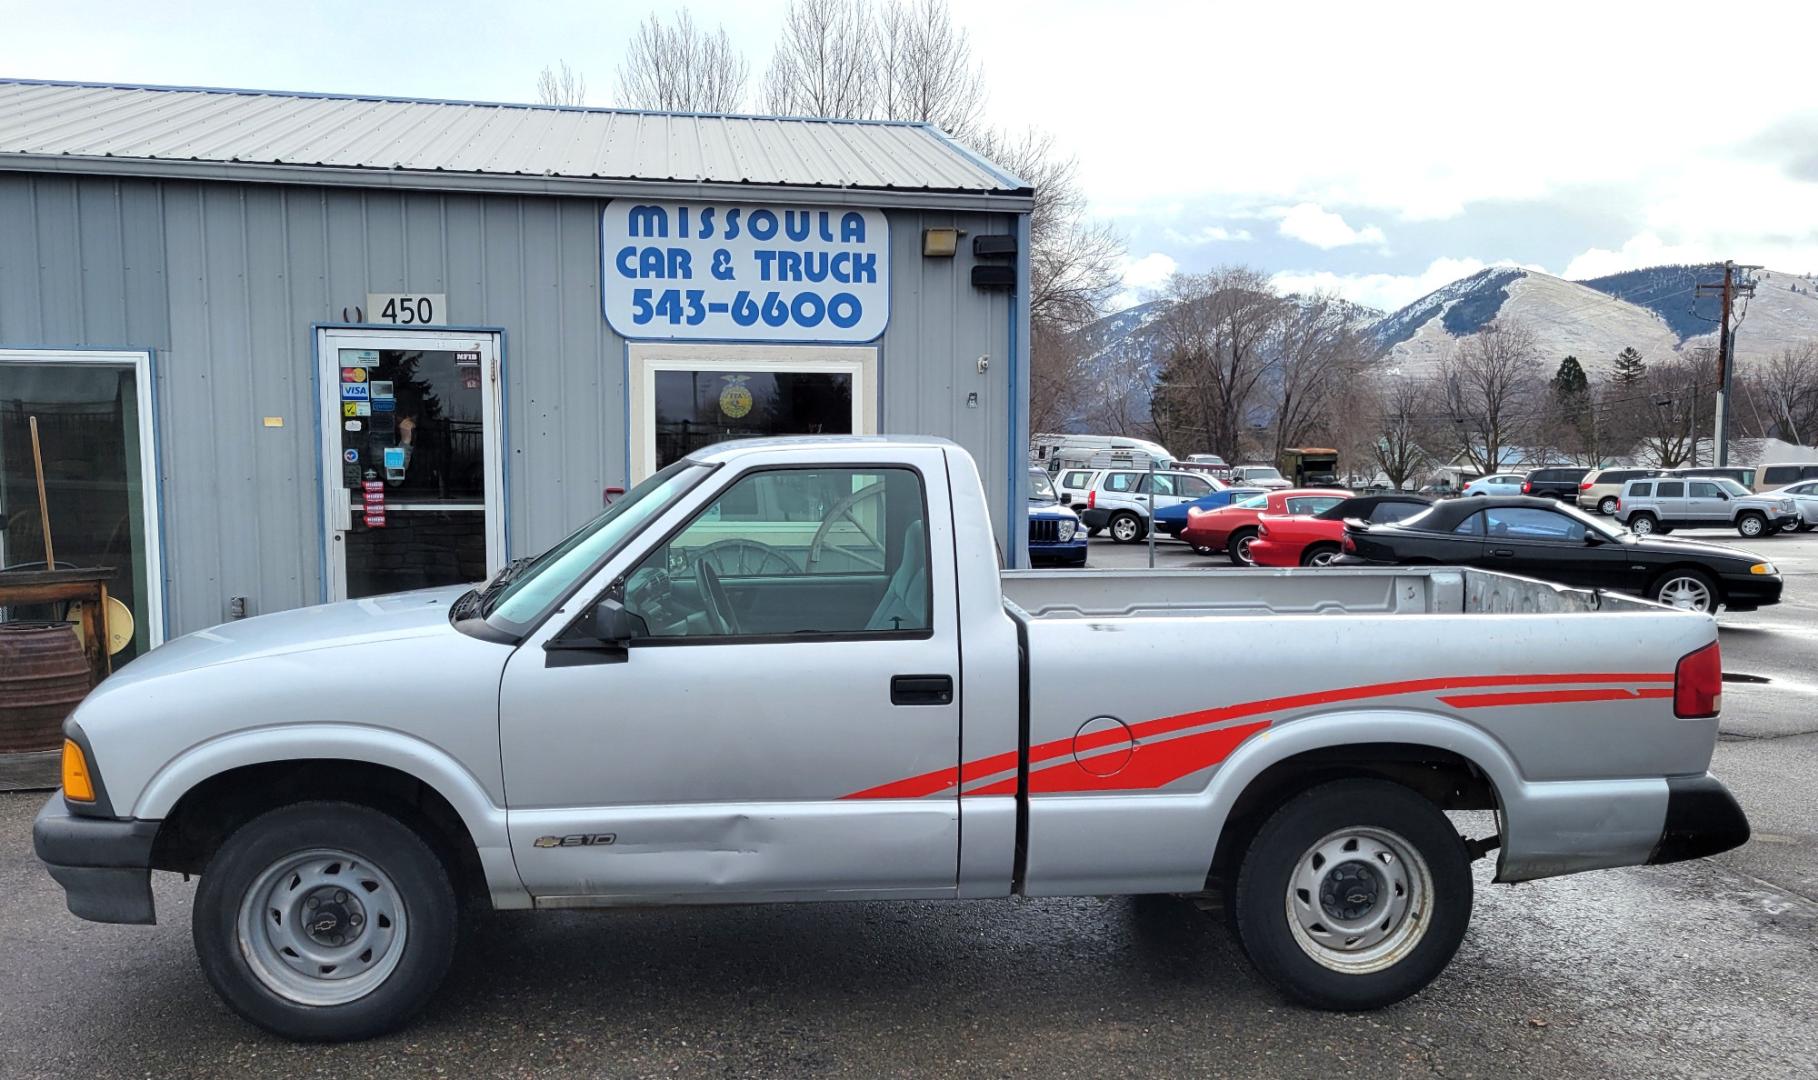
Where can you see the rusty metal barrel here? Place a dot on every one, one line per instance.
(43, 675)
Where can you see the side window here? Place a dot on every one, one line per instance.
(793, 552)
(1526, 523)
(1703, 490)
(1471, 526)
(1642, 491)
(1192, 487)
(1312, 504)
(1164, 484)
(1395, 511)
(1076, 479)
(1808, 472)
(1672, 489)
(1122, 481)
(1778, 475)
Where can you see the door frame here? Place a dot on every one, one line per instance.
(336, 514)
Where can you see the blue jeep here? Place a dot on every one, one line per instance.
(1056, 538)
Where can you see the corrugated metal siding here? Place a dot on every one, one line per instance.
(519, 140)
(225, 280)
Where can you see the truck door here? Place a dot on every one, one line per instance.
(793, 649)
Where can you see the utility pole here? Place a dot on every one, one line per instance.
(1729, 288)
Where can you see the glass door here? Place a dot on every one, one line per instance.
(411, 460)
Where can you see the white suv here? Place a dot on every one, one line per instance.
(1119, 499)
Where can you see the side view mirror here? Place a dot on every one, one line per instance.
(1724, 495)
(1593, 539)
(613, 624)
(1066, 498)
(602, 636)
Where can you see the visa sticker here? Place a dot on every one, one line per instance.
(355, 391)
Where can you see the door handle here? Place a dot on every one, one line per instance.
(921, 690)
(1504, 552)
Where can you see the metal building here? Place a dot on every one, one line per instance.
(288, 348)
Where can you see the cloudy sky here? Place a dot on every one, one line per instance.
(1380, 150)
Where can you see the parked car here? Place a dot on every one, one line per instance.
(1073, 485)
(1742, 476)
(1171, 520)
(1233, 529)
(618, 723)
(1315, 539)
(1120, 500)
(1805, 497)
(1561, 484)
(1602, 488)
(1542, 539)
(1267, 477)
(1665, 503)
(1495, 484)
(1772, 477)
(1056, 537)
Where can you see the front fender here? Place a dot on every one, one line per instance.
(484, 819)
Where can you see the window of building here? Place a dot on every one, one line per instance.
(95, 443)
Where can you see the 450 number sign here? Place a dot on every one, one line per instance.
(407, 309)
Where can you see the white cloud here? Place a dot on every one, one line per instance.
(1143, 276)
(1311, 223)
(1644, 249)
(1210, 234)
(1386, 292)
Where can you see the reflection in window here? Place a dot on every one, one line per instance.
(695, 409)
(1525, 523)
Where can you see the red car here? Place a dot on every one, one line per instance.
(1232, 529)
(1314, 539)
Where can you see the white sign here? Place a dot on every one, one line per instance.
(724, 272)
(407, 309)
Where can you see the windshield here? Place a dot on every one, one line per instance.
(1040, 486)
(536, 588)
(1260, 472)
(1732, 487)
(1255, 502)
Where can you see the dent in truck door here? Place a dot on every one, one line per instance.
(795, 649)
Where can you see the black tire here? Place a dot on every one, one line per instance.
(1201, 549)
(1237, 547)
(1607, 506)
(1261, 915)
(1771, 530)
(1643, 524)
(1094, 532)
(1751, 524)
(1126, 527)
(384, 842)
(1314, 551)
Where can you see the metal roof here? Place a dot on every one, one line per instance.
(80, 126)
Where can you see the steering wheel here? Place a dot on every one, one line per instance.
(715, 604)
(743, 557)
(843, 509)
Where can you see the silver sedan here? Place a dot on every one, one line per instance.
(1804, 496)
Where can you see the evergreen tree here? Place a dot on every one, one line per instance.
(1569, 381)
(1575, 432)
(1629, 367)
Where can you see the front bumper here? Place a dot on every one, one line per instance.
(103, 864)
(1072, 553)
(1746, 592)
(1702, 818)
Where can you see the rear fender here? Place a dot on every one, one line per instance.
(484, 820)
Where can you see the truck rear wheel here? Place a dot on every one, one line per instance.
(325, 921)
(1353, 895)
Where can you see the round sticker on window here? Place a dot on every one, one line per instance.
(735, 400)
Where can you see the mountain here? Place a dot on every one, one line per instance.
(1656, 310)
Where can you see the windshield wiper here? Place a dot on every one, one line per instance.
(497, 585)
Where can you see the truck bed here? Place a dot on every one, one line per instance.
(1103, 594)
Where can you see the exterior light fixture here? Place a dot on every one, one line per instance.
(940, 243)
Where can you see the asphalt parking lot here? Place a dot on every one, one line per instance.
(1696, 969)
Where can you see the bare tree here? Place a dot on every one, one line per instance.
(1056, 378)
(1215, 335)
(1402, 403)
(925, 65)
(1489, 385)
(1318, 350)
(1785, 390)
(561, 85)
(825, 63)
(1675, 411)
(681, 67)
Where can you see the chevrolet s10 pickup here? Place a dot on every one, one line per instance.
(792, 670)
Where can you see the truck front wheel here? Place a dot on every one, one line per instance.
(325, 921)
(1353, 895)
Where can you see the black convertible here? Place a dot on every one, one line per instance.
(1540, 538)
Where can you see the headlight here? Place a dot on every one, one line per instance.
(1066, 530)
(1763, 568)
(1787, 505)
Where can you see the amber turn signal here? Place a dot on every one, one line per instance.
(77, 787)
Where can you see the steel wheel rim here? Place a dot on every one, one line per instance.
(1322, 558)
(1641, 526)
(1750, 526)
(1607, 506)
(1243, 550)
(1360, 900)
(293, 913)
(1686, 592)
(1124, 529)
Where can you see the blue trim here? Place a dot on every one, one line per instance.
(625, 396)
(157, 462)
(504, 443)
(1018, 463)
(323, 95)
(315, 411)
(889, 293)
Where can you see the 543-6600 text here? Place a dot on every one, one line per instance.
(691, 307)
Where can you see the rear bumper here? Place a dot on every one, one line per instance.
(1702, 818)
(1094, 518)
(103, 864)
(1274, 554)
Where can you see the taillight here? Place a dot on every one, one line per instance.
(1584, 485)
(1349, 545)
(1698, 684)
(1619, 506)
(1527, 487)
(1091, 499)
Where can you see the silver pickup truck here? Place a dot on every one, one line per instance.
(792, 670)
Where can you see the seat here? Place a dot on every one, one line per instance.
(904, 605)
